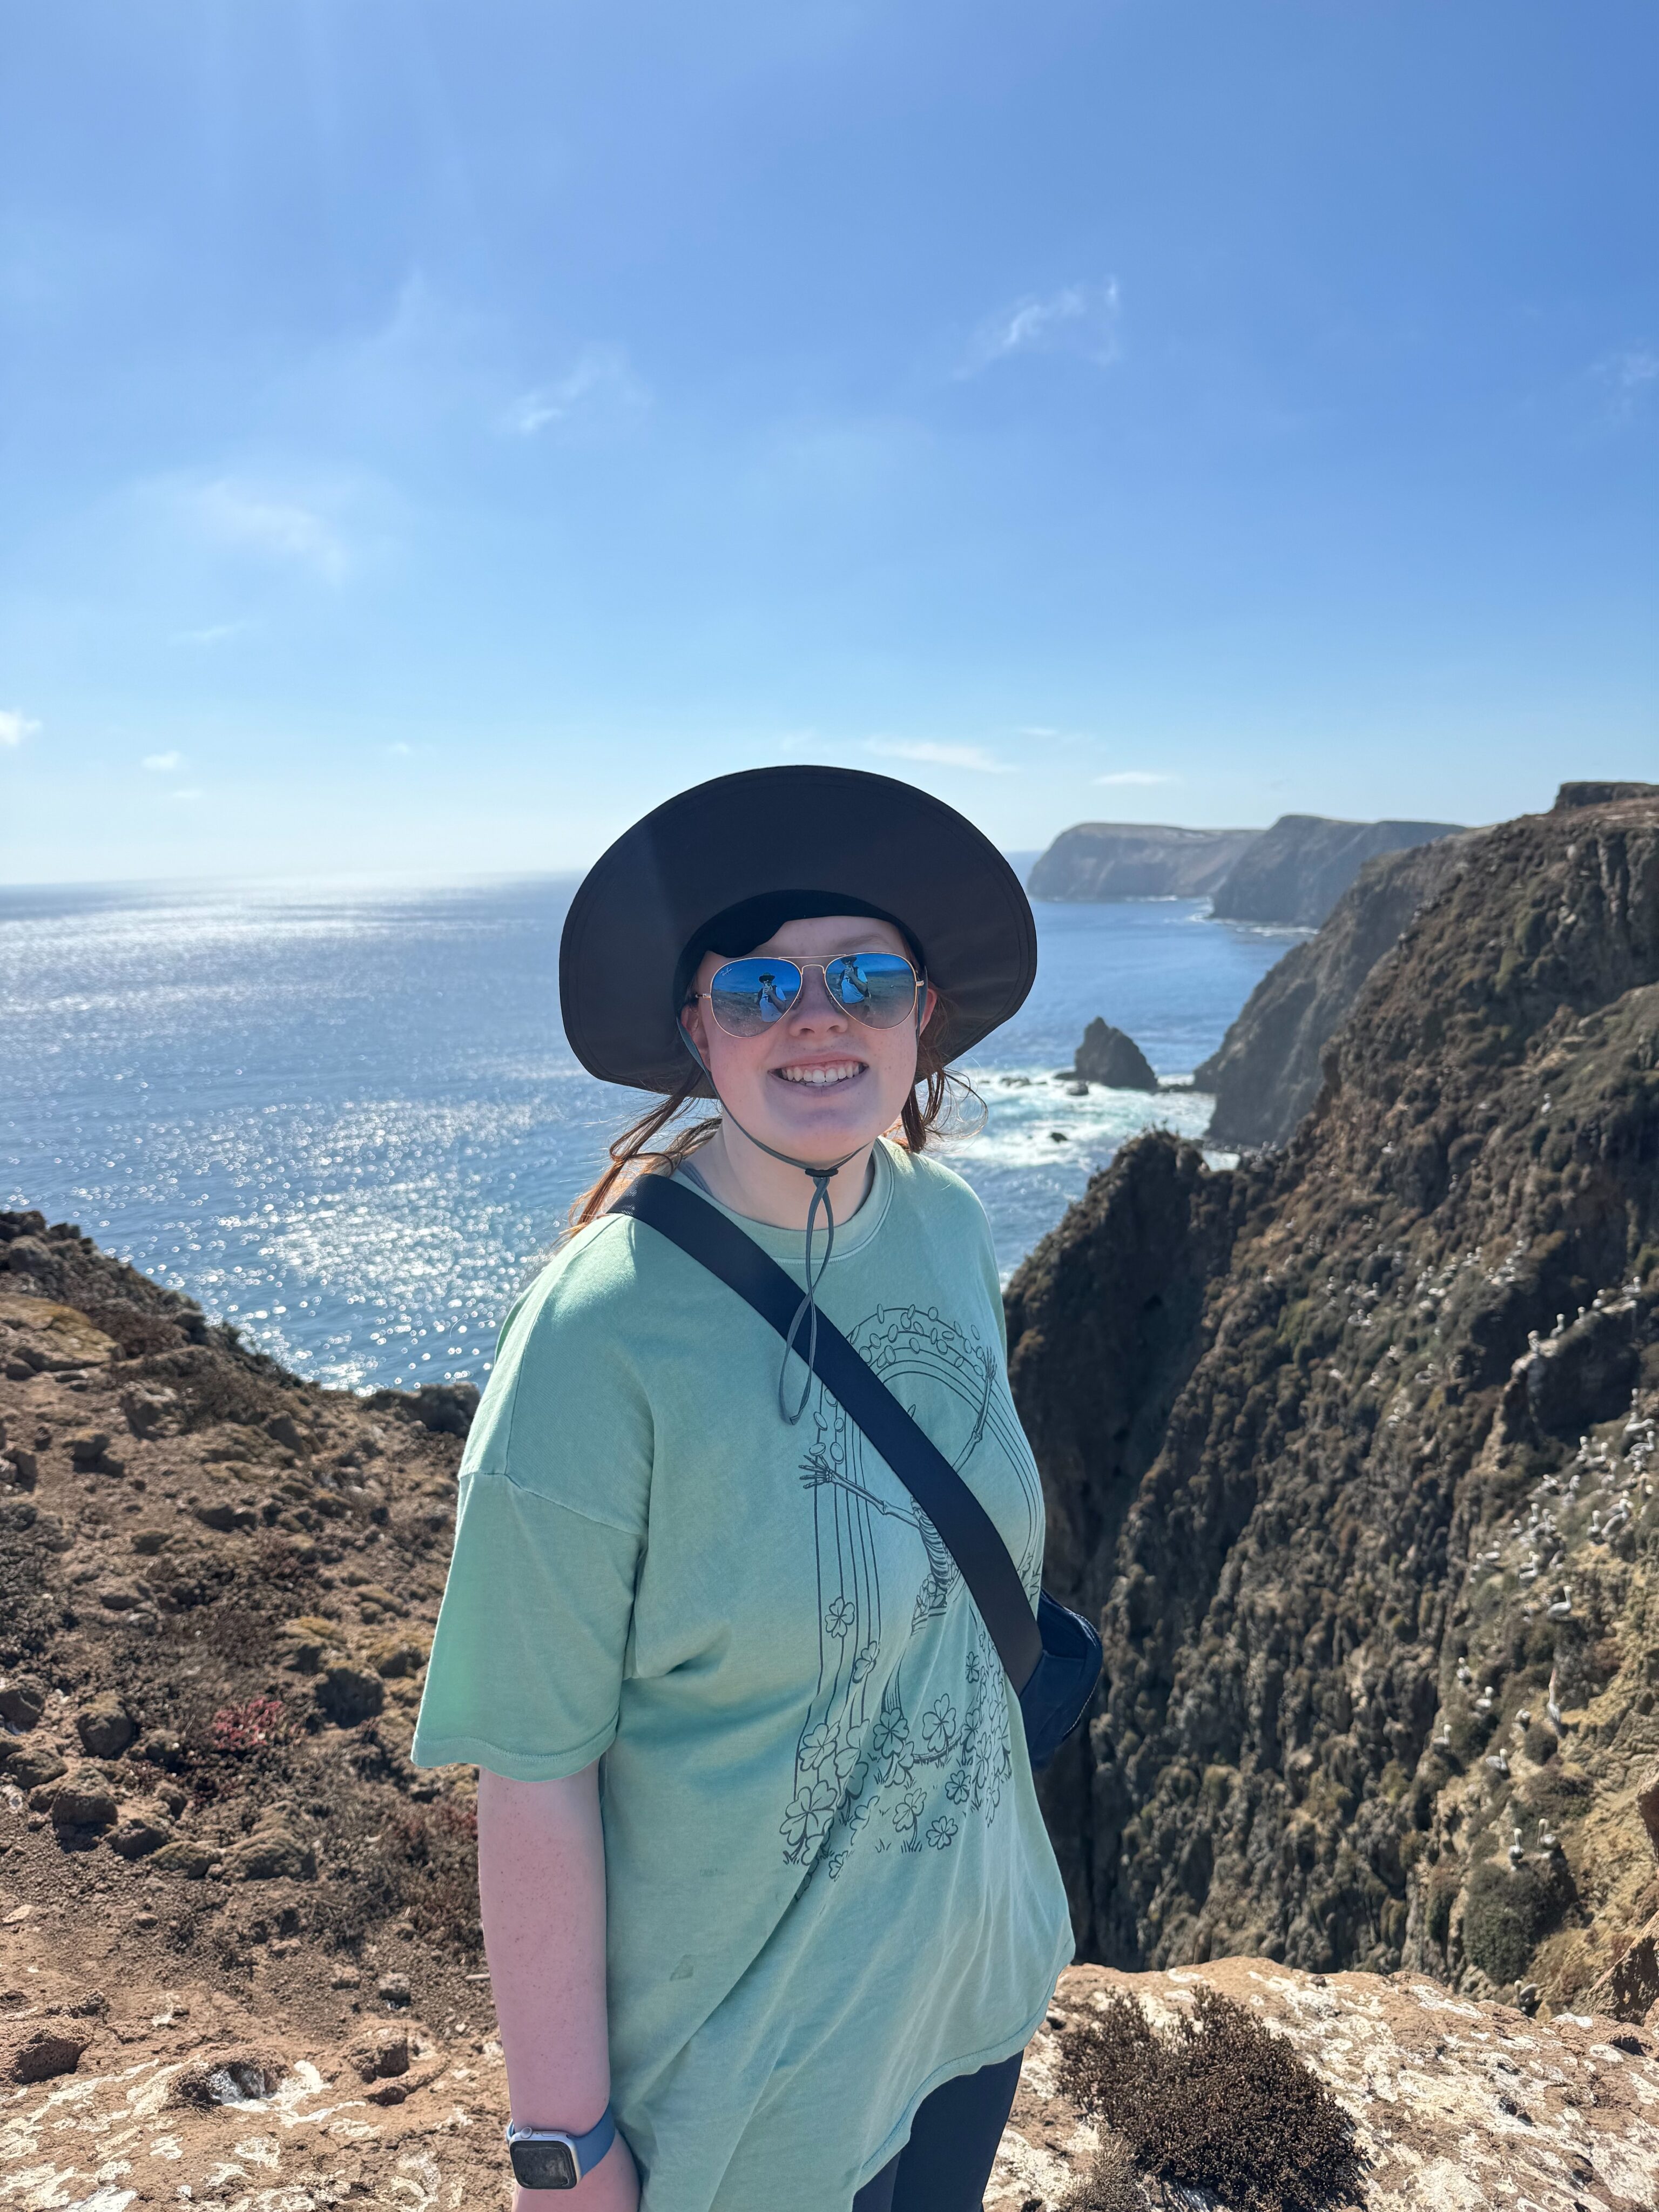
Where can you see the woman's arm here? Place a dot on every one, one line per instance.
(541, 1882)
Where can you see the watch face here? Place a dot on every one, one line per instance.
(544, 2165)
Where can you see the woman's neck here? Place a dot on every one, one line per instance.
(762, 1188)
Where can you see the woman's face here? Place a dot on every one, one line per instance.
(818, 1083)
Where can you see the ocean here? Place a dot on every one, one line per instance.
(346, 1119)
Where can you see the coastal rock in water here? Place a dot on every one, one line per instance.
(1099, 860)
(1111, 1057)
(1381, 1664)
(1267, 1073)
(1295, 871)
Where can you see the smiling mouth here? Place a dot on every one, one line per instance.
(824, 1075)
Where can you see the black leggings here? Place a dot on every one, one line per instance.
(953, 2145)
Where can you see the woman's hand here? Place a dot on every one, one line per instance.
(612, 2186)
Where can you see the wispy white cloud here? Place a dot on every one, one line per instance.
(600, 384)
(1630, 377)
(164, 763)
(937, 756)
(213, 634)
(14, 726)
(1078, 319)
(1135, 775)
(399, 749)
(187, 791)
(278, 526)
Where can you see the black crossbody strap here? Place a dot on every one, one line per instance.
(964, 1527)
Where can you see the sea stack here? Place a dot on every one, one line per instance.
(1108, 1056)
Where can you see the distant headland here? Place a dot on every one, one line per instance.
(1291, 875)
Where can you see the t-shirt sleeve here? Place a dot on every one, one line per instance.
(531, 1645)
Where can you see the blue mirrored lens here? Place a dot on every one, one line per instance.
(749, 996)
(877, 989)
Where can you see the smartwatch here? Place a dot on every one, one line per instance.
(549, 2158)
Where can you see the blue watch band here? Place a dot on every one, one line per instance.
(537, 2153)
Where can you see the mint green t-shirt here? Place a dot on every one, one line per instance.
(828, 1887)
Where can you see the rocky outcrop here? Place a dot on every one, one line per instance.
(1295, 872)
(1266, 1074)
(1342, 1452)
(1134, 860)
(1111, 1057)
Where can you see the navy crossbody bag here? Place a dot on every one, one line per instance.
(1053, 1656)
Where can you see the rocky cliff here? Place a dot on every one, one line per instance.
(1133, 859)
(1350, 1451)
(1295, 872)
(1267, 1073)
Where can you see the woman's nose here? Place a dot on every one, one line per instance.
(815, 1006)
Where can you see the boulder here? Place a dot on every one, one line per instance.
(446, 1408)
(275, 1849)
(187, 1855)
(34, 1767)
(40, 2054)
(397, 1657)
(225, 1518)
(84, 1799)
(56, 1339)
(23, 1700)
(382, 2055)
(348, 1695)
(1630, 1988)
(148, 1409)
(104, 1726)
(1108, 1056)
(142, 1830)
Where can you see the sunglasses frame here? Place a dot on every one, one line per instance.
(919, 983)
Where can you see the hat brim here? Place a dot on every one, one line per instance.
(771, 830)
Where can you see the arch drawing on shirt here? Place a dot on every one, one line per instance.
(888, 1750)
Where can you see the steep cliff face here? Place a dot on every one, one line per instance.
(1381, 1663)
(1295, 871)
(1133, 859)
(1266, 1074)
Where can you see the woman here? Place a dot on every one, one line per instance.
(763, 1876)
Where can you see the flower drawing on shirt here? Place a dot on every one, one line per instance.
(892, 1609)
(803, 1826)
(909, 1811)
(938, 1726)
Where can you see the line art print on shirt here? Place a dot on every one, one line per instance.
(876, 1755)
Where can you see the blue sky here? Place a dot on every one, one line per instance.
(431, 434)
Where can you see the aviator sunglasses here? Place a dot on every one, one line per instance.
(746, 997)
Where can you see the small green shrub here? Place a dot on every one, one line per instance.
(1219, 2103)
(1506, 1911)
(1436, 1910)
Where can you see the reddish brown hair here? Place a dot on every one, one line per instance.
(930, 1107)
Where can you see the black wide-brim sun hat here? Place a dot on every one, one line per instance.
(794, 839)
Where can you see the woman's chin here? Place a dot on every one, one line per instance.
(817, 1127)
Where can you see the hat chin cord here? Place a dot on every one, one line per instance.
(808, 1308)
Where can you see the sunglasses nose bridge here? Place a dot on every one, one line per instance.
(815, 999)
